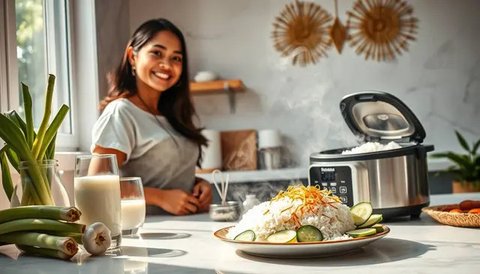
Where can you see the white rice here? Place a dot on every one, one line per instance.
(273, 216)
(372, 147)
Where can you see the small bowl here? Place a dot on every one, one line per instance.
(229, 212)
(205, 76)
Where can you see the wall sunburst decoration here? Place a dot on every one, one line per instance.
(301, 32)
(381, 29)
(338, 31)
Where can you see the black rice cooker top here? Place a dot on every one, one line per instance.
(381, 117)
(376, 116)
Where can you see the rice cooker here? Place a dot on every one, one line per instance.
(394, 181)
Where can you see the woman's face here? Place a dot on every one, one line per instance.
(158, 64)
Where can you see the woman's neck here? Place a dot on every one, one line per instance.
(147, 101)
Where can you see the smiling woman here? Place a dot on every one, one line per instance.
(147, 121)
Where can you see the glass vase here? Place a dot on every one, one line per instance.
(40, 184)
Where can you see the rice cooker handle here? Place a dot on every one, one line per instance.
(422, 151)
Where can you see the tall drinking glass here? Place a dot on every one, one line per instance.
(133, 205)
(97, 192)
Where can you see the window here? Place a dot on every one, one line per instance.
(41, 34)
(35, 43)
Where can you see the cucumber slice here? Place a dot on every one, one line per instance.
(361, 212)
(247, 235)
(362, 232)
(378, 227)
(284, 236)
(309, 233)
(374, 219)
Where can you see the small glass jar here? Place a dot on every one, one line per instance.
(40, 184)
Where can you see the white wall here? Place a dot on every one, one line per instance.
(438, 78)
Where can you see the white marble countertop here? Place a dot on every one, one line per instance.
(186, 245)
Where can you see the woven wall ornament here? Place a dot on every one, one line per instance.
(381, 29)
(301, 32)
(338, 32)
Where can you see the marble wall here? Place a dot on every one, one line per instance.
(438, 78)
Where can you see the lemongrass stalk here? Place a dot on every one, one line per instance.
(74, 235)
(37, 144)
(40, 224)
(12, 157)
(13, 136)
(39, 183)
(50, 152)
(65, 244)
(6, 176)
(44, 252)
(52, 130)
(27, 104)
(69, 214)
(29, 195)
(17, 120)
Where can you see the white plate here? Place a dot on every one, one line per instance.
(299, 250)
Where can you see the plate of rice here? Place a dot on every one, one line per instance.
(296, 207)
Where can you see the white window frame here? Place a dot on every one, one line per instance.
(8, 56)
(82, 71)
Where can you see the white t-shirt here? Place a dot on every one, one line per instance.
(148, 142)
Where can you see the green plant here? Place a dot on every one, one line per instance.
(466, 166)
(22, 143)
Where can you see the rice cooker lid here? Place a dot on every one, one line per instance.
(380, 116)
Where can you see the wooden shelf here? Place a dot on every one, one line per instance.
(217, 86)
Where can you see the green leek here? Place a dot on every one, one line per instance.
(69, 214)
(78, 237)
(44, 252)
(65, 244)
(6, 176)
(27, 102)
(46, 117)
(40, 225)
(23, 144)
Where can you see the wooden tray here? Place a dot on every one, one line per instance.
(440, 214)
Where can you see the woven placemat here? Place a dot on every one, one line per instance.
(440, 214)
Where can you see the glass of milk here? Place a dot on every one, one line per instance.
(97, 193)
(133, 205)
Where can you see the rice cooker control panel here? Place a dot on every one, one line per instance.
(337, 179)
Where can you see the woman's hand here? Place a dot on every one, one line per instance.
(174, 201)
(203, 191)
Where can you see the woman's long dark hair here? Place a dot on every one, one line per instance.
(174, 103)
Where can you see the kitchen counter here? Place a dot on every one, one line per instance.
(186, 245)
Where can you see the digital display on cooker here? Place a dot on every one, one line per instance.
(337, 179)
(327, 176)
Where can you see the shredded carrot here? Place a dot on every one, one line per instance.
(311, 197)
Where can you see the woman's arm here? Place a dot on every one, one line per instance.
(174, 201)
(121, 157)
